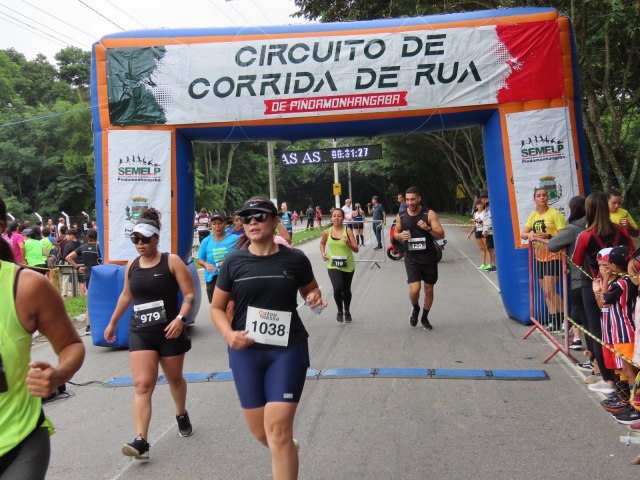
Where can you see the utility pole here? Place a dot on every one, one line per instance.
(335, 176)
(349, 174)
(272, 175)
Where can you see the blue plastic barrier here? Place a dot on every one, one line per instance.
(101, 302)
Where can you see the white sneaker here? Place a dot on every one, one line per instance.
(602, 387)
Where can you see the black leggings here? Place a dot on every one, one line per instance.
(341, 282)
(30, 459)
(593, 324)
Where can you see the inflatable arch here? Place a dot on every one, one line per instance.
(514, 71)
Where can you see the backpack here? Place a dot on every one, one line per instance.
(55, 256)
(601, 245)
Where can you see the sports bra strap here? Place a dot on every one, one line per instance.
(15, 282)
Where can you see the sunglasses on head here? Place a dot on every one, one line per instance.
(259, 217)
(136, 239)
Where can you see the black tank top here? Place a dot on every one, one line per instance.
(410, 224)
(153, 284)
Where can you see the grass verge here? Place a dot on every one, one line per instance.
(304, 235)
(75, 305)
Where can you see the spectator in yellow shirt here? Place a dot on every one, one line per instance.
(544, 223)
(618, 214)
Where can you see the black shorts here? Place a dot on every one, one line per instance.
(478, 234)
(552, 268)
(490, 241)
(155, 340)
(426, 272)
(210, 286)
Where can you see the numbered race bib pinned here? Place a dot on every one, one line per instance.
(419, 243)
(270, 327)
(339, 262)
(148, 314)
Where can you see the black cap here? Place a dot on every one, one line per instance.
(484, 195)
(219, 214)
(265, 206)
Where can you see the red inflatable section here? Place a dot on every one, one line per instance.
(533, 51)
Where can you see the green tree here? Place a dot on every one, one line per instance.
(606, 33)
(73, 69)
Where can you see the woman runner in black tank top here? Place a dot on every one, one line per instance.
(153, 284)
(157, 333)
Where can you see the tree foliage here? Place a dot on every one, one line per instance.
(46, 146)
(606, 33)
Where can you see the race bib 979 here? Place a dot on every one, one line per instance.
(148, 314)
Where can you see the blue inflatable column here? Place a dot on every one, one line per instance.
(513, 263)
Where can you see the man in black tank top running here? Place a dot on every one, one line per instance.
(419, 226)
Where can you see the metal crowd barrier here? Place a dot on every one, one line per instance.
(547, 292)
(367, 254)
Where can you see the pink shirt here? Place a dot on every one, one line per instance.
(15, 241)
(280, 241)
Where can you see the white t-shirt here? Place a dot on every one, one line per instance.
(478, 217)
(348, 213)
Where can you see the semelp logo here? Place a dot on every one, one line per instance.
(135, 169)
(539, 148)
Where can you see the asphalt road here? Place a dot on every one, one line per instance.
(372, 428)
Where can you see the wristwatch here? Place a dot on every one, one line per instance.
(182, 318)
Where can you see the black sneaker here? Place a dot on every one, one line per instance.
(627, 416)
(339, 317)
(425, 324)
(184, 425)
(347, 317)
(413, 319)
(138, 449)
(587, 366)
(87, 330)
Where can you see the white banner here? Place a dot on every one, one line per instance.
(273, 77)
(542, 155)
(139, 177)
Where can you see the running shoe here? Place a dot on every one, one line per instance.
(347, 317)
(425, 324)
(87, 330)
(483, 267)
(138, 449)
(593, 378)
(618, 406)
(492, 268)
(576, 344)
(339, 317)
(586, 366)
(614, 398)
(184, 425)
(413, 319)
(627, 417)
(602, 387)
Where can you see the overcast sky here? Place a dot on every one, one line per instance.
(38, 26)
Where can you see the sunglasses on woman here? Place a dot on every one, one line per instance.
(136, 239)
(259, 217)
